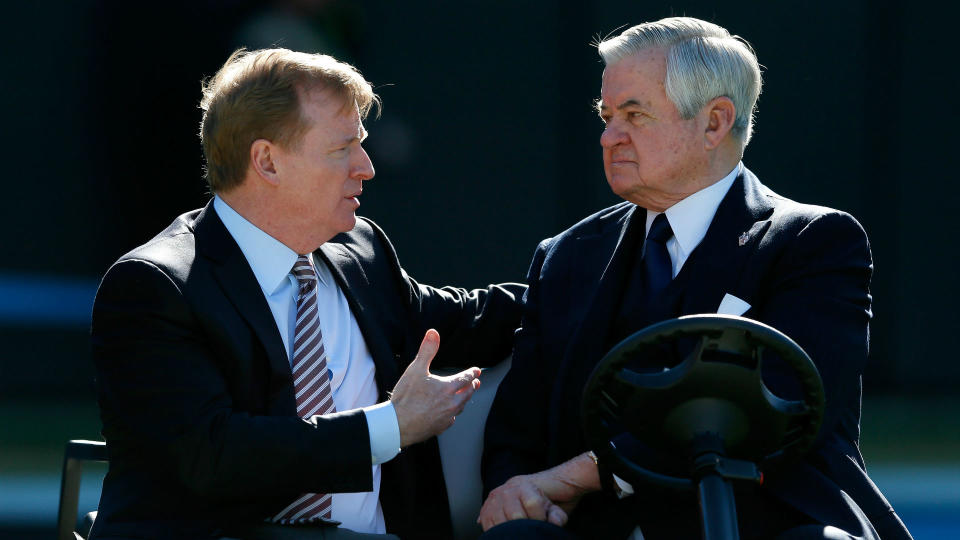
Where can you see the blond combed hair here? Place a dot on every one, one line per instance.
(257, 95)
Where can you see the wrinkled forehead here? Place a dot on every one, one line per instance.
(638, 78)
(330, 119)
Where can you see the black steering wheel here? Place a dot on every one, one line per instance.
(711, 410)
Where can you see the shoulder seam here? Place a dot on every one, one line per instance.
(156, 267)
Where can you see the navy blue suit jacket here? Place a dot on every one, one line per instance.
(804, 270)
(196, 394)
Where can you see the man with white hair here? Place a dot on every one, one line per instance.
(697, 230)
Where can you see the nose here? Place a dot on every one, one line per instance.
(363, 168)
(612, 135)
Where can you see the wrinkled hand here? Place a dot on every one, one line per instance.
(546, 496)
(425, 403)
(519, 498)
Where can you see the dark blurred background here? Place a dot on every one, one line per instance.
(487, 144)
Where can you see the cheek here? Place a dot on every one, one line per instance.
(676, 149)
(673, 147)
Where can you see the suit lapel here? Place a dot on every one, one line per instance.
(361, 296)
(240, 286)
(715, 266)
(617, 244)
(718, 262)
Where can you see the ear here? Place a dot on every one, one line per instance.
(262, 156)
(721, 114)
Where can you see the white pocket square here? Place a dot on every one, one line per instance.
(731, 305)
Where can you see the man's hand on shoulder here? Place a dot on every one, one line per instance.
(548, 495)
(426, 404)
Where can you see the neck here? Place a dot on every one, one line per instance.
(719, 164)
(255, 208)
(714, 168)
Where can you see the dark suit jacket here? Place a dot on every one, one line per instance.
(196, 395)
(805, 270)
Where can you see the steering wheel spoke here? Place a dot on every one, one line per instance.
(715, 392)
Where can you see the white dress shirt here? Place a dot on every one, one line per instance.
(690, 218)
(348, 359)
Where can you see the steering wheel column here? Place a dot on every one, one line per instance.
(710, 414)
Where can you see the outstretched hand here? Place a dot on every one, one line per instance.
(426, 404)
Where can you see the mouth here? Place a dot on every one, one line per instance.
(353, 199)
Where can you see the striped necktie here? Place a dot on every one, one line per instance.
(311, 383)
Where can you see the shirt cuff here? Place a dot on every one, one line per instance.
(621, 487)
(384, 431)
(624, 489)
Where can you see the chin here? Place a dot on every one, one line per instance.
(620, 187)
(347, 224)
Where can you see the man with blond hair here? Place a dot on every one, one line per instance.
(261, 362)
(697, 233)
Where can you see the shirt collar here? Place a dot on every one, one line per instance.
(690, 218)
(270, 260)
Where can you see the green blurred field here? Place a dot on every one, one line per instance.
(917, 430)
(33, 433)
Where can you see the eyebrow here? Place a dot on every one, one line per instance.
(349, 140)
(624, 105)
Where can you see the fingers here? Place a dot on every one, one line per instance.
(490, 518)
(461, 398)
(519, 498)
(465, 380)
(535, 506)
(533, 502)
(513, 509)
(428, 349)
(556, 515)
(494, 512)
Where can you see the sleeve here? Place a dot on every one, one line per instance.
(166, 405)
(476, 326)
(819, 295)
(516, 431)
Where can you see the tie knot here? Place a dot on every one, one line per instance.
(304, 272)
(660, 230)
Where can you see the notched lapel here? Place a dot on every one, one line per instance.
(360, 294)
(598, 317)
(617, 244)
(718, 263)
(238, 283)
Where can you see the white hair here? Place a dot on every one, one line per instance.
(703, 62)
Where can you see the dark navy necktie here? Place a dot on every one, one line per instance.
(658, 270)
